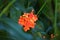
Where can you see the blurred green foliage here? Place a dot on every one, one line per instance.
(48, 22)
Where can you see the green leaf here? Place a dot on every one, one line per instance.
(7, 7)
(16, 28)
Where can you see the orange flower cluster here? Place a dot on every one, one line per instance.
(28, 20)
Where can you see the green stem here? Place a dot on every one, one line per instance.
(55, 20)
(29, 4)
(7, 7)
(42, 7)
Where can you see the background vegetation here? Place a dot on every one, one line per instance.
(48, 23)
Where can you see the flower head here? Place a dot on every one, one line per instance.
(28, 20)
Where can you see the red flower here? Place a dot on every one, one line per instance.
(28, 20)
